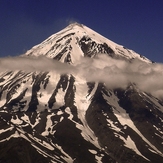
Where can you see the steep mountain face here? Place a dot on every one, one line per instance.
(51, 117)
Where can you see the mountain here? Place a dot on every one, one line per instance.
(50, 117)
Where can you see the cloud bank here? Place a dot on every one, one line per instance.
(115, 73)
(30, 64)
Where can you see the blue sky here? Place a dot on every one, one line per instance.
(137, 25)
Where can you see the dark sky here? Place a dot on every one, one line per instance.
(138, 24)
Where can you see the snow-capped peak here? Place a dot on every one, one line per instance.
(77, 40)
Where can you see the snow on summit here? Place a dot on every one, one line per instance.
(72, 41)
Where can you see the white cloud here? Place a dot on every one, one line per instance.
(114, 72)
(119, 73)
(33, 64)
